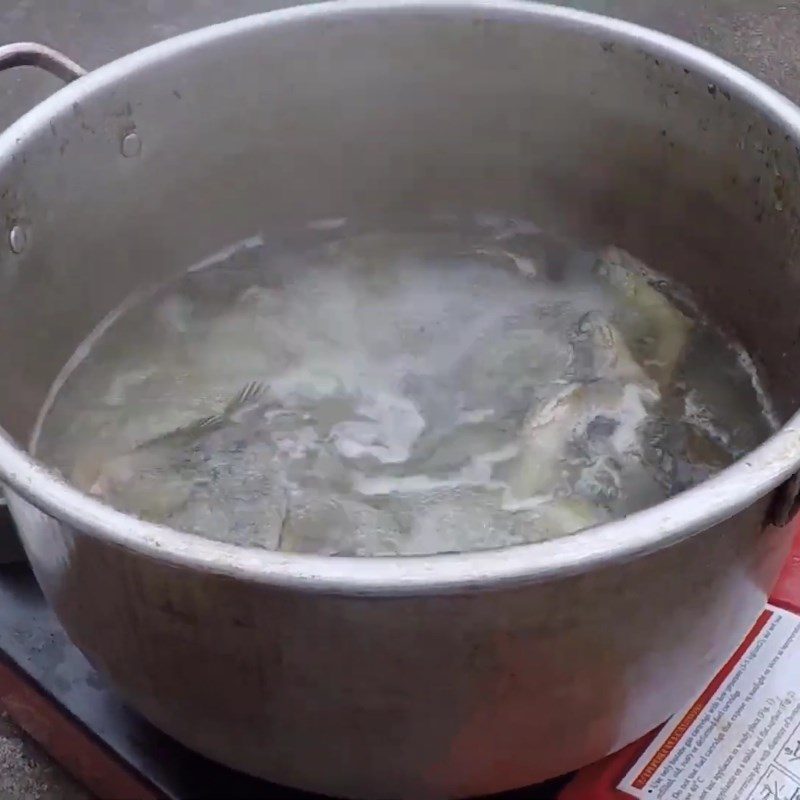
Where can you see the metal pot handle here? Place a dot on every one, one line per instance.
(31, 54)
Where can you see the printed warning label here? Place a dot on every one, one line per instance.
(740, 739)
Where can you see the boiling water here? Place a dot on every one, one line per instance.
(401, 393)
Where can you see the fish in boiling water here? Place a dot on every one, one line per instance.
(427, 392)
(161, 477)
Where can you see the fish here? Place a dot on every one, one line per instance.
(564, 515)
(652, 326)
(543, 464)
(599, 351)
(600, 414)
(158, 478)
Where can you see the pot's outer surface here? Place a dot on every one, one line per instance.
(438, 696)
(442, 676)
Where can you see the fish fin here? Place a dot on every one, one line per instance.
(195, 428)
(249, 393)
(211, 421)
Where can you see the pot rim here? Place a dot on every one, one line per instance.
(729, 492)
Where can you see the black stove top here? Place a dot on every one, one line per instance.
(36, 647)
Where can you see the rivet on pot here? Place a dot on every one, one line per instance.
(131, 145)
(17, 239)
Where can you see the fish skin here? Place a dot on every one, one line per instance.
(156, 478)
(619, 391)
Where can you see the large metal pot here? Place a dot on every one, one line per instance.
(438, 676)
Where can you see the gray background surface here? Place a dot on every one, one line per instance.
(762, 36)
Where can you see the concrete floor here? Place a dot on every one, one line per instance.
(26, 773)
(760, 35)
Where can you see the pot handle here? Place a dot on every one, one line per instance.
(31, 54)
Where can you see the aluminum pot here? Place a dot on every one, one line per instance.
(442, 676)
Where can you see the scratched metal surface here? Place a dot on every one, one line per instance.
(32, 640)
(762, 36)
